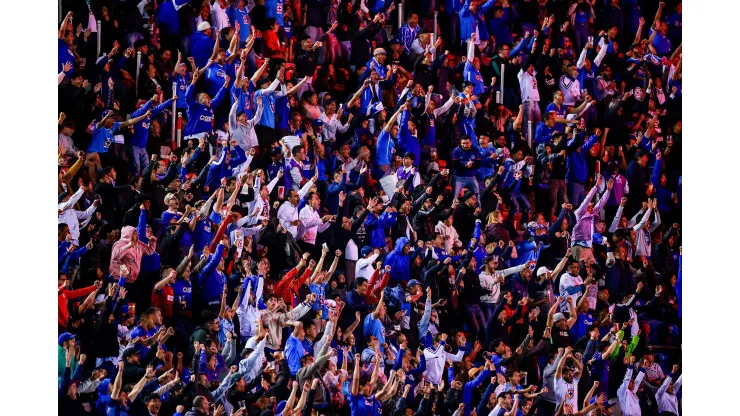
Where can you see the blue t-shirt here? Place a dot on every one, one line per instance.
(102, 138)
(362, 406)
(375, 328)
(293, 352)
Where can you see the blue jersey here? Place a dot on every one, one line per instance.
(200, 117)
(275, 8)
(319, 304)
(182, 83)
(102, 138)
(202, 235)
(65, 55)
(141, 129)
(561, 112)
(580, 328)
(244, 98)
(288, 26)
(282, 112)
(465, 156)
(114, 408)
(473, 76)
(183, 292)
(241, 16)
(268, 108)
(215, 77)
(362, 406)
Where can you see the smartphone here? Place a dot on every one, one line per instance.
(281, 192)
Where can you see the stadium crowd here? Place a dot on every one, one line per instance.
(333, 207)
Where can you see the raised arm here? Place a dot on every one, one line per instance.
(63, 26)
(355, 377)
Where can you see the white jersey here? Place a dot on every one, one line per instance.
(528, 85)
(568, 393)
(571, 90)
(436, 359)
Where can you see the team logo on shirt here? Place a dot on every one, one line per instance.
(107, 143)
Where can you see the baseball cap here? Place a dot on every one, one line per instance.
(168, 198)
(379, 51)
(378, 107)
(317, 123)
(542, 270)
(557, 317)
(366, 250)
(280, 407)
(202, 26)
(65, 337)
(130, 352)
(413, 282)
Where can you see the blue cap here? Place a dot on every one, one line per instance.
(105, 113)
(366, 250)
(280, 407)
(317, 123)
(65, 337)
(413, 282)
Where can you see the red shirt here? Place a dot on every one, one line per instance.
(164, 299)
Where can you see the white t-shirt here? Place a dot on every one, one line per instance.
(568, 393)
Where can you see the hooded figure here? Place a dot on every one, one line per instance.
(128, 251)
(399, 261)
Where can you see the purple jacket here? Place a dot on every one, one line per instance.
(584, 228)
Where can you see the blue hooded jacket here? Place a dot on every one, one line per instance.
(201, 47)
(400, 263)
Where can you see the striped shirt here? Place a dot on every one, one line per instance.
(406, 35)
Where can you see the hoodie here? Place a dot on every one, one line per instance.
(400, 263)
(124, 254)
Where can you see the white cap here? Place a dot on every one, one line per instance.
(542, 270)
(379, 51)
(203, 26)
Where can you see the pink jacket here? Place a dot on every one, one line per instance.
(123, 253)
